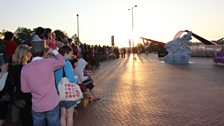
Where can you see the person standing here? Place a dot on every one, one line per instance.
(10, 44)
(39, 34)
(20, 100)
(4, 98)
(67, 107)
(3, 75)
(37, 78)
(51, 39)
(3, 58)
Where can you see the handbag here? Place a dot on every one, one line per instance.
(69, 91)
(19, 103)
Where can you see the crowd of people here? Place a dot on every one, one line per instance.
(31, 71)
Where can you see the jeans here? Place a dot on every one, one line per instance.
(52, 117)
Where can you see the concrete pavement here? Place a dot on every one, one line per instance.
(144, 91)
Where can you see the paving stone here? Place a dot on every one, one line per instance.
(148, 92)
(144, 91)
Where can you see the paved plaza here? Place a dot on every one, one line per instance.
(144, 91)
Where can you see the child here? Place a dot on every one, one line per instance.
(67, 107)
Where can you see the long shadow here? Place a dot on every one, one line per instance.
(109, 70)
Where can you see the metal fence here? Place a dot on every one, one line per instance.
(205, 50)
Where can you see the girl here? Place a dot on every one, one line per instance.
(67, 107)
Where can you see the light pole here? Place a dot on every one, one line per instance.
(132, 25)
(78, 24)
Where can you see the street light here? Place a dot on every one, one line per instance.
(132, 25)
(78, 24)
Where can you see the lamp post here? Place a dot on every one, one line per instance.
(78, 24)
(132, 25)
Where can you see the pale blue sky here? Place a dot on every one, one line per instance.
(99, 19)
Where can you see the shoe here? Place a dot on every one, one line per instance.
(96, 99)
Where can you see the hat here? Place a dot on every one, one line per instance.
(38, 46)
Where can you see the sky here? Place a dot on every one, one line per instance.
(100, 19)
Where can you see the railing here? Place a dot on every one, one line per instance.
(205, 50)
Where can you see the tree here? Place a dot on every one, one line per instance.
(75, 38)
(22, 33)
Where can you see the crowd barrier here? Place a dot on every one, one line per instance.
(205, 50)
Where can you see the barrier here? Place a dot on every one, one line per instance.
(205, 50)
